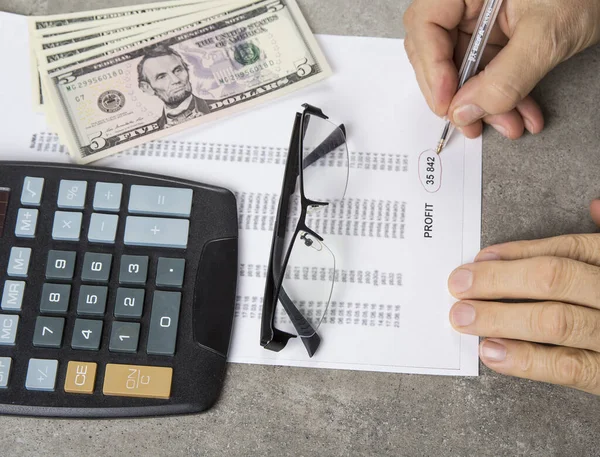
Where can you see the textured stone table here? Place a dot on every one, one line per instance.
(535, 187)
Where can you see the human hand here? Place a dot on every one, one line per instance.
(529, 39)
(563, 275)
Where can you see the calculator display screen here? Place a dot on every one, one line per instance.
(4, 193)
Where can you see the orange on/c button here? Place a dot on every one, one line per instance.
(80, 377)
(137, 381)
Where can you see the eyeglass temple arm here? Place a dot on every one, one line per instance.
(302, 326)
(329, 144)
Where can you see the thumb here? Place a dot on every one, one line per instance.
(595, 211)
(509, 77)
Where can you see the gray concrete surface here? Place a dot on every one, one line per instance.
(535, 187)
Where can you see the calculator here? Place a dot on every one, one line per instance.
(117, 291)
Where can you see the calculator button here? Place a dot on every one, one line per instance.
(137, 381)
(96, 267)
(18, 262)
(129, 303)
(92, 300)
(26, 223)
(5, 363)
(163, 323)
(87, 334)
(55, 298)
(81, 377)
(107, 196)
(32, 191)
(124, 337)
(41, 374)
(156, 232)
(8, 329)
(67, 226)
(134, 269)
(163, 201)
(71, 194)
(48, 332)
(12, 296)
(61, 265)
(170, 272)
(103, 228)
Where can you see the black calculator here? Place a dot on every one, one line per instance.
(117, 291)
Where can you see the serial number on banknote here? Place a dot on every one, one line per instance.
(247, 72)
(67, 80)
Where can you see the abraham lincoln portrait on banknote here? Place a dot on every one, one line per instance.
(162, 72)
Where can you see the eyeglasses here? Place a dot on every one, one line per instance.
(301, 271)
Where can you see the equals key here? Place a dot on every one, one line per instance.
(160, 201)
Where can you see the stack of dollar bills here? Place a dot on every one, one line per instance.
(112, 79)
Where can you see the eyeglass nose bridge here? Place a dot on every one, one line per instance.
(302, 224)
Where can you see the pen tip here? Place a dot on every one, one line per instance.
(439, 148)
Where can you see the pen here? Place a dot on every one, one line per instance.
(484, 26)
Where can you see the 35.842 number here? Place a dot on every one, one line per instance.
(430, 171)
(430, 179)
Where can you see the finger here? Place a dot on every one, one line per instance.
(512, 124)
(527, 115)
(576, 368)
(539, 278)
(418, 69)
(434, 48)
(509, 125)
(584, 248)
(533, 118)
(429, 22)
(473, 130)
(542, 322)
(595, 211)
(507, 79)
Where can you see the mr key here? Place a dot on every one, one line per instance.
(118, 291)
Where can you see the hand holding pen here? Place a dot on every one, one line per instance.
(472, 58)
(529, 39)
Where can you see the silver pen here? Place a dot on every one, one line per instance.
(480, 37)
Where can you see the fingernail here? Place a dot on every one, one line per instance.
(493, 351)
(501, 129)
(528, 125)
(461, 281)
(463, 314)
(466, 115)
(485, 256)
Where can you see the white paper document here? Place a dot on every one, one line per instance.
(404, 225)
